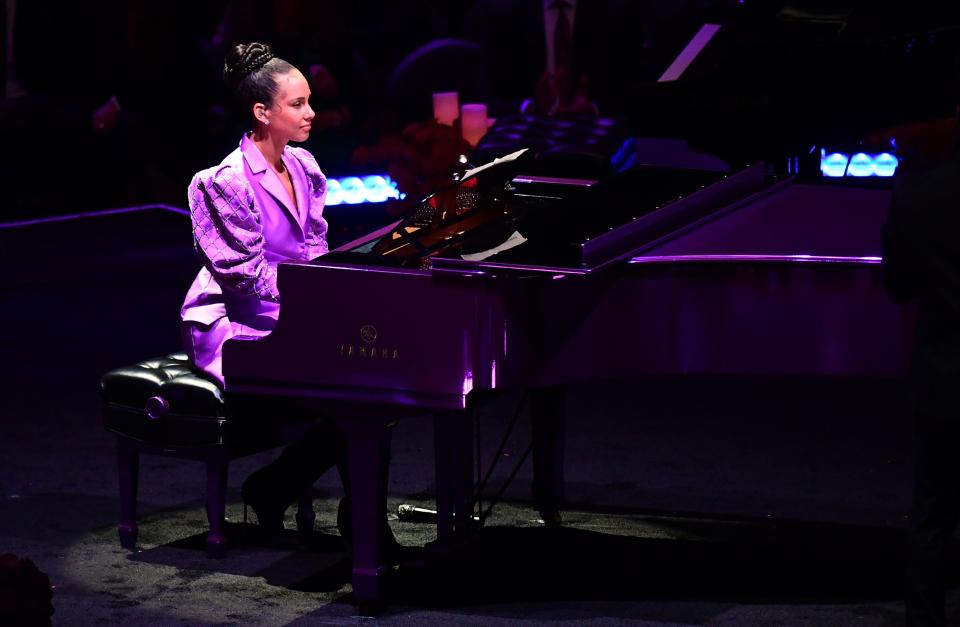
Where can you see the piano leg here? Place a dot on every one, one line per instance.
(453, 450)
(368, 453)
(548, 413)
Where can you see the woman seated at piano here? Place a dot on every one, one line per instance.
(262, 205)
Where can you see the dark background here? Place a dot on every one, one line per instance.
(788, 499)
(782, 74)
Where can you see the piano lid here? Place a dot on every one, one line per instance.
(501, 216)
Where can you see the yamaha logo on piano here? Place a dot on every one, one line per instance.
(368, 333)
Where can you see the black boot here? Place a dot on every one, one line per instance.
(273, 488)
(262, 491)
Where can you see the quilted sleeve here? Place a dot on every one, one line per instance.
(315, 230)
(228, 234)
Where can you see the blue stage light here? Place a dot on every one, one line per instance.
(885, 164)
(353, 190)
(834, 164)
(860, 164)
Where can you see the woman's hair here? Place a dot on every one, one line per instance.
(250, 71)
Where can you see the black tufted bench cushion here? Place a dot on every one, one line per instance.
(163, 402)
(163, 407)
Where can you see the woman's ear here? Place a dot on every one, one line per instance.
(260, 113)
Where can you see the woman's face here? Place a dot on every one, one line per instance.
(290, 115)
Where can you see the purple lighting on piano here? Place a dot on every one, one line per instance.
(467, 382)
(815, 259)
(504, 338)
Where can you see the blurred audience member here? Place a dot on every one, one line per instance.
(386, 31)
(558, 56)
(162, 95)
(58, 98)
(921, 263)
(107, 80)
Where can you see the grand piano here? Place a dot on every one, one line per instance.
(512, 280)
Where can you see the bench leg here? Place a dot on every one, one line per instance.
(216, 506)
(128, 466)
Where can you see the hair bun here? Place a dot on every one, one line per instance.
(244, 59)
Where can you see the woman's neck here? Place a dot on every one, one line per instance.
(270, 147)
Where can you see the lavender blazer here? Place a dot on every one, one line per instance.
(244, 224)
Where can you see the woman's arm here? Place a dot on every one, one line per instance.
(901, 276)
(228, 234)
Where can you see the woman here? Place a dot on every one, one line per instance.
(261, 206)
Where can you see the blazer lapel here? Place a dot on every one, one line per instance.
(298, 179)
(267, 178)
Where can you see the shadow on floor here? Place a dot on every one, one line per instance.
(775, 561)
(663, 558)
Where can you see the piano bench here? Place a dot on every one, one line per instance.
(163, 407)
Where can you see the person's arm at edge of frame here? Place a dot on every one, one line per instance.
(900, 265)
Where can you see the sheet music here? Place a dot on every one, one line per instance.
(513, 155)
(514, 240)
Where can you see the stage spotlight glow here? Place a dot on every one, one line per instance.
(885, 164)
(834, 164)
(353, 190)
(860, 164)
